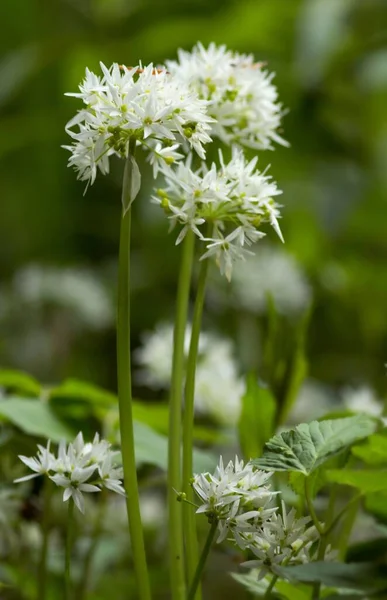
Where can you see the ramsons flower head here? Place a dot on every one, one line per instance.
(78, 467)
(142, 105)
(243, 99)
(234, 200)
(237, 497)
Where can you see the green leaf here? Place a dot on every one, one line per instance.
(258, 587)
(20, 382)
(81, 390)
(152, 448)
(34, 417)
(367, 482)
(256, 423)
(310, 445)
(374, 452)
(351, 576)
(377, 504)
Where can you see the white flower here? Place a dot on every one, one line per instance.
(141, 103)
(236, 497)
(218, 386)
(78, 467)
(363, 400)
(41, 465)
(270, 271)
(234, 199)
(243, 100)
(75, 484)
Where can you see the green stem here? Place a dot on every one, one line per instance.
(189, 517)
(175, 524)
(349, 521)
(271, 586)
(125, 393)
(202, 561)
(309, 502)
(69, 542)
(96, 536)
(46, 515)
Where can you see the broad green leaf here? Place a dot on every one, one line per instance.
(374, 452)
(377, 504)
(351, 576)
(284, 588)
(34, 417)
(256, 423)
(81, 390)
(152, 448)
(365, 481)
(317, 479)
(20, 382)
(310, 445)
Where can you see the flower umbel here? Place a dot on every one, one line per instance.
(79, 467)
(141, 104)
(242, 98)
(235, 198)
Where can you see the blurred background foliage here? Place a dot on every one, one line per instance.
(59, 247)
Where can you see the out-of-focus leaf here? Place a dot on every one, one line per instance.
(15, 69)
(152, 448)
(355, 576)
(366, 481)
(377, 504)
(282, 589)
(34, 417)
(256, 423)
(20, 382)
(374, 452)
(73, 388)
(310, 445)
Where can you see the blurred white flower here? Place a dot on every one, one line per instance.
(235, 199)
(218, 387)
(79, 467)
(78, 290)
(144, 104)
(270, 271)
(362, 400)
(243, 100)
(313, 401)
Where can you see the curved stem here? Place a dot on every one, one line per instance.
(96, 536)
(69, 543)
(309, 503)
(175, 524)
(125, 392)
(202, 561)
(46, 515)
(189, 517)
(271, 586)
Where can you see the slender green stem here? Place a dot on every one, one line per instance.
(309, 502)
(96, 536)
(69, 543)
(189, 517)
(202, 561)
(271, 586)
(125, 396)
(46, 515)
(175, 524)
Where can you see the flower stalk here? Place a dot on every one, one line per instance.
(69, 543)
(189, 519)
(202, 561)
(176, 550)
(46, 515)
(125, 388)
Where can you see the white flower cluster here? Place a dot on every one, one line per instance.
(362, 400)
(238, 499)
(79, 467)
(270, 271)
(234, 199)
(242, 99)
(144, 104)
(218, 387)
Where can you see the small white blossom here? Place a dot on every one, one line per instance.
(78, 467)
(243, 100)
(236, 497)
(362, 400)
(218, 386)
(143, 104)
(234, 200)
